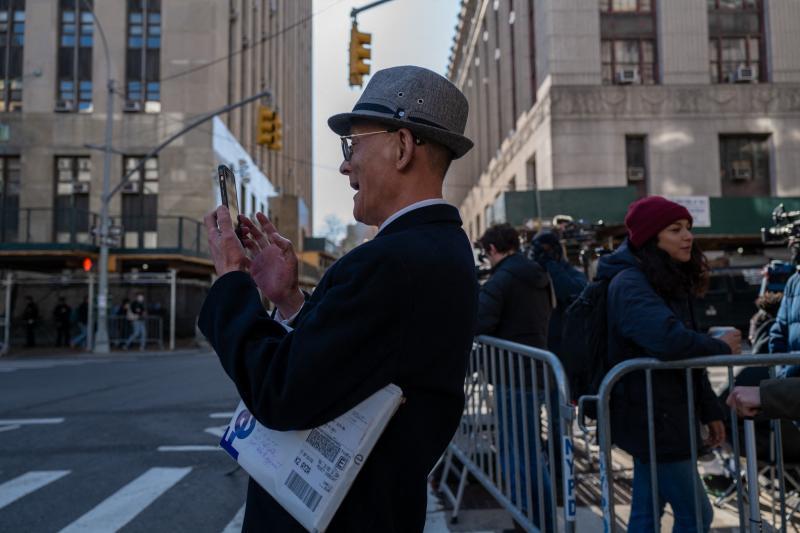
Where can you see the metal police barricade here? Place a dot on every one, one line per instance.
(753, 513)
(515, 434)
(120, 328)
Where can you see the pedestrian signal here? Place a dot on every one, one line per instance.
(87, 264)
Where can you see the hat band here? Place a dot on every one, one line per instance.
(396, 114)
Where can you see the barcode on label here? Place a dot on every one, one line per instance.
(323, 444)
(303, 490)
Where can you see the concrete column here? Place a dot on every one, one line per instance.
(39, 56)
(783, 40)
(568, 42)
(683, 42)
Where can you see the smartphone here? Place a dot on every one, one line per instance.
(227, 191)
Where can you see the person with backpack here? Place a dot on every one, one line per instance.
(568, 282)
(515, 304)
(651, 281)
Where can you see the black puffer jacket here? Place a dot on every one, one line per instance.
(642, 324)
(516, 302)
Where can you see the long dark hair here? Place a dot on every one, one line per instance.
(672, 279)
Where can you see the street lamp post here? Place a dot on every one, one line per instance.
(101, 339)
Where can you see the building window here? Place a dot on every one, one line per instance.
(9, 198)
(636, 163)
(744, 165)
(736, 41)
(76, 38)
(73, 184)
(140, 204)
(143, 70)
(12, 41)
(626, 6)
(628, 42)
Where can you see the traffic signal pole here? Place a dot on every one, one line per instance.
(356, 10)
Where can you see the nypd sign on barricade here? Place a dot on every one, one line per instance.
(309, 472)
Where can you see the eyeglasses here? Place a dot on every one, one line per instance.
(347, 142)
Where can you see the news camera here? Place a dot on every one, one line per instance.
(785, 228)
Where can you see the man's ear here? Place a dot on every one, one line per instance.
(407, 147)
(492, 250)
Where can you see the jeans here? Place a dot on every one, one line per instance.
(80, 338)
(513, 468)
(139, 332)
(676, 482)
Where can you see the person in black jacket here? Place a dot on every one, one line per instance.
(515, 304)
(398, 309)
(30, 315)
(653, 277)
(568, 282)
(61, 315)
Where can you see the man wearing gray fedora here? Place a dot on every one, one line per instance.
(399, 309)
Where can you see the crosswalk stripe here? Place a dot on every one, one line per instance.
(235, 525)
(122, 506)
(30, 421)
(18, 487)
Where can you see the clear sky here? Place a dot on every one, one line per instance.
(418, 32)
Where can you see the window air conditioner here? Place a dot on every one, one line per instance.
(80, 188)
(64, 106)
(132, 106)
(627, 76)
(635, 174)
(745, 74)
(742, 170)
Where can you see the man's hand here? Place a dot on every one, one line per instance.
(226, 249)
(273, 265)
(746, 400)
(716, 434)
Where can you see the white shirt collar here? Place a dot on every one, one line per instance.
(408, 208)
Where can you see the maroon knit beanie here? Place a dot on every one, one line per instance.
(648, 216)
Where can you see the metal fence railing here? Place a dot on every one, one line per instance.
(515, 435)
(749, 503)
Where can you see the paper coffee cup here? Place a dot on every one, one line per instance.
(719, 331)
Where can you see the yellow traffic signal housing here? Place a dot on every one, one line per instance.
(358, 54)
(269, 127)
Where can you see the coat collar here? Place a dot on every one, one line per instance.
(445, 213)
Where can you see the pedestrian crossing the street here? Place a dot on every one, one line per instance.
(117, 510)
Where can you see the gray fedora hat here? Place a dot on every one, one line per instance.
(415, 98)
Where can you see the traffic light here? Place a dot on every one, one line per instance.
(358, 54)
(269, 127)
(87, 264)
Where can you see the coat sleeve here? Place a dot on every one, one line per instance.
(343, 349)
(779, 333)
(490, 305)
(641, 316)
(780, 398)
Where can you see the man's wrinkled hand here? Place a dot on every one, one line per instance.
(224, 245)
(746, 400)
(274, 264)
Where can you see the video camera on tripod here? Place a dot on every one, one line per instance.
(786, 227)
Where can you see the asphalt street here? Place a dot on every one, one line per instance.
(124, 443)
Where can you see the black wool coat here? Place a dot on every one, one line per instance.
(398, 309)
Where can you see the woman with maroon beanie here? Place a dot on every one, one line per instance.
(654, 276)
